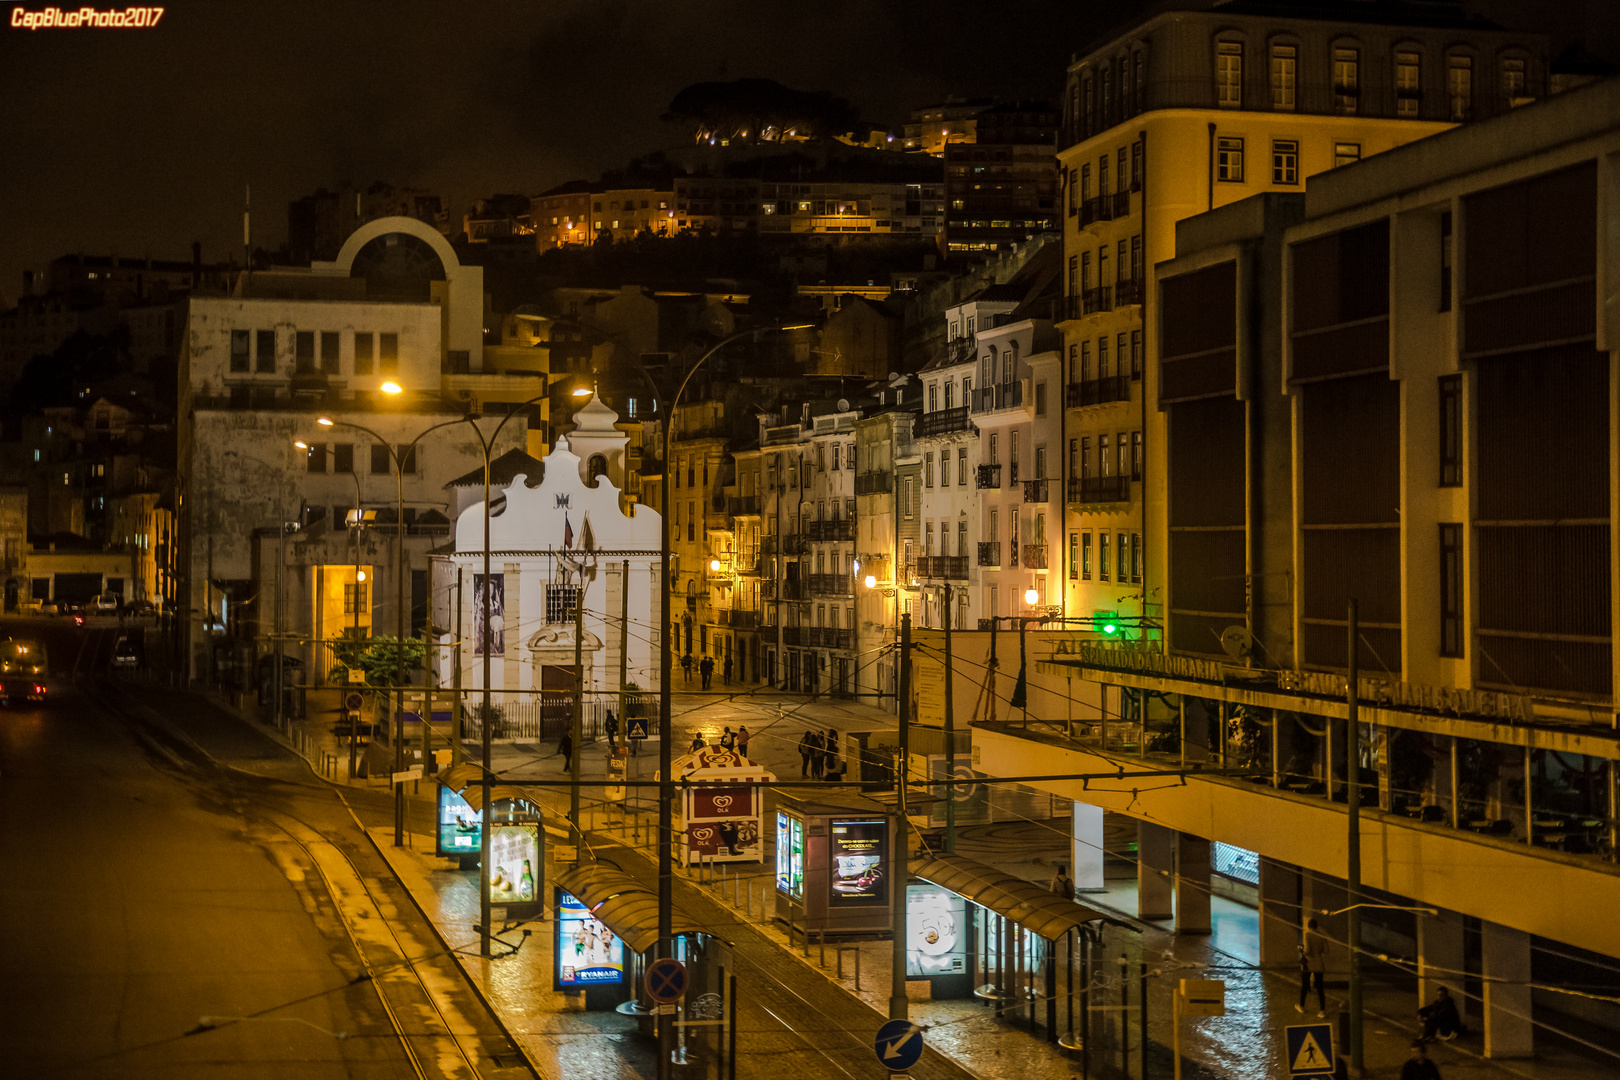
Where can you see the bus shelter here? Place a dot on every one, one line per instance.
(517, 838)
(975, 930)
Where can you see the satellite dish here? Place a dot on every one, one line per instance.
(843, 404)
(1237, 641)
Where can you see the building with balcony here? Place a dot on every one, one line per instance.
(1188, 111)
(1002, 187)
(1347, 376)
(885, 514)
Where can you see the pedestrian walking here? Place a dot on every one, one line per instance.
(1418, 1066)
(565, 747)
(818, 755)
(807, 750)
(1312, 966)
(706, 669)
(727, 669)
(728, 741)
(742, 741)
(1062, 884)
(611, 726)
(686, 668)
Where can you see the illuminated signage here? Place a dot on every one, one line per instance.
(936, 931)
(459, 824)
(514, 852)
(587, 952)
(859, 853)
(789, 855)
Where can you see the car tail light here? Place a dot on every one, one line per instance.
(39, 689)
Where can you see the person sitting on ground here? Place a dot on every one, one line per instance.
(1418, 1066)
(697, 742)
(1440, 1017)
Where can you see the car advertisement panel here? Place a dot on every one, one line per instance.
(587, 952)
(859, 851)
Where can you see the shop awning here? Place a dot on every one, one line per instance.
(1024, 902)
(622, 904)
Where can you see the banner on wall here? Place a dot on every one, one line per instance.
(497, 615)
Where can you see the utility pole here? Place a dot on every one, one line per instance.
(950, 734)
(624, 648)
(899, 1008)
(577, 736)
(399, 654)
(1352, 775)
(455, 682)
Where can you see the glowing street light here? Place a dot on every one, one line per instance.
(324, 421)
(1031, 596)
(714, 566)
(582, 391)
(871, 582)
(391, 387)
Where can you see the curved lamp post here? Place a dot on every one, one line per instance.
(486, 446)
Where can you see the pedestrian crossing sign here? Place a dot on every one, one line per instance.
(1310, 1049)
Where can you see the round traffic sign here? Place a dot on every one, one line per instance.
(666, 981)
(353, 702)
(899, 1044)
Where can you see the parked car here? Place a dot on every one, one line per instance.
(106, 604)
(124, 655)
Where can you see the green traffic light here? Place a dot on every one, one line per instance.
(1109, 628)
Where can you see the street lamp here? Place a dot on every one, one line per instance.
(1031, 597)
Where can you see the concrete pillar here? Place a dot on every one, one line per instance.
(1279, 915)
(1505, 956)
(1086, 847)
(1321, 894)
(1440, 957)
(1192, 884)
(1155, 862)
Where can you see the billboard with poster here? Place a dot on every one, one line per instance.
(789, 855)
(936, 931)
(514, 852)
(459, 824)
(859, 852)
(497, 615)
(587, 953)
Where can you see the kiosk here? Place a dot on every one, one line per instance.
(833, 865)
(721, 807)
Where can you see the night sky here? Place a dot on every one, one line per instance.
(136, 142)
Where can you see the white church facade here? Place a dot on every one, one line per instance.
(555, 538)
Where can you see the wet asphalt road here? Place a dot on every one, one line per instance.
(147, 888)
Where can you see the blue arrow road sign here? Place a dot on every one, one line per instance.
(899, 1045)
(1310, 1049)
(666, 981)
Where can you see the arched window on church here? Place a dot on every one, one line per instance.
(597, 466)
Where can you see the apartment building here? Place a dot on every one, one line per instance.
(1347, 376)
(1001, 187)
(562, 216)
(1186, 112)
(885, 502)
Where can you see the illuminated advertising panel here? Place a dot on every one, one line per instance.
(587, 952)
(459, 824)
(790, 855)
(859, 851)
(936, 931)
(514, 852)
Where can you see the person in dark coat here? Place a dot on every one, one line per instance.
(686, 668)
(611, 726)
(706, 669)
(1418, 1066)
(742, 740)
(818, 755)
(1440, 1017)
(565, 747)
(807, 750)
(728, 741)
(726, 670)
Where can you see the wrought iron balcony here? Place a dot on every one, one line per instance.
(874, 483)
(953, 567)
(990, 553)
(1035, 491)
(989, 476)
(1006, 395)
(944, 421)
(743, 505)
(1129, 291)
(1099, 391)
(1098, 299)
(831, 585)
(1035, 556)
(831, 529)
(1099, 489)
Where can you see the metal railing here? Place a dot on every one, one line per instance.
(1128, 291)
(944, 421)
(1035, 556)
(738, 618)
(1035, 491)
(1099, 391)
(827, 637)
(830, 529)
(874, 483)
(1099, 489)
(990, 553)
(988, 476)
(831, 585)
(742, 505)
(1006, 395)
(954, 567)
(1098, 299)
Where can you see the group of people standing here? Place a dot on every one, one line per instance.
(818, 751)
(705, 670)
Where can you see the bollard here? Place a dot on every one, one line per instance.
(822, 935)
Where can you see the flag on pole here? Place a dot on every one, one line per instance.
(568, 531)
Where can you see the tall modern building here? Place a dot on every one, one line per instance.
(1193, 110)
